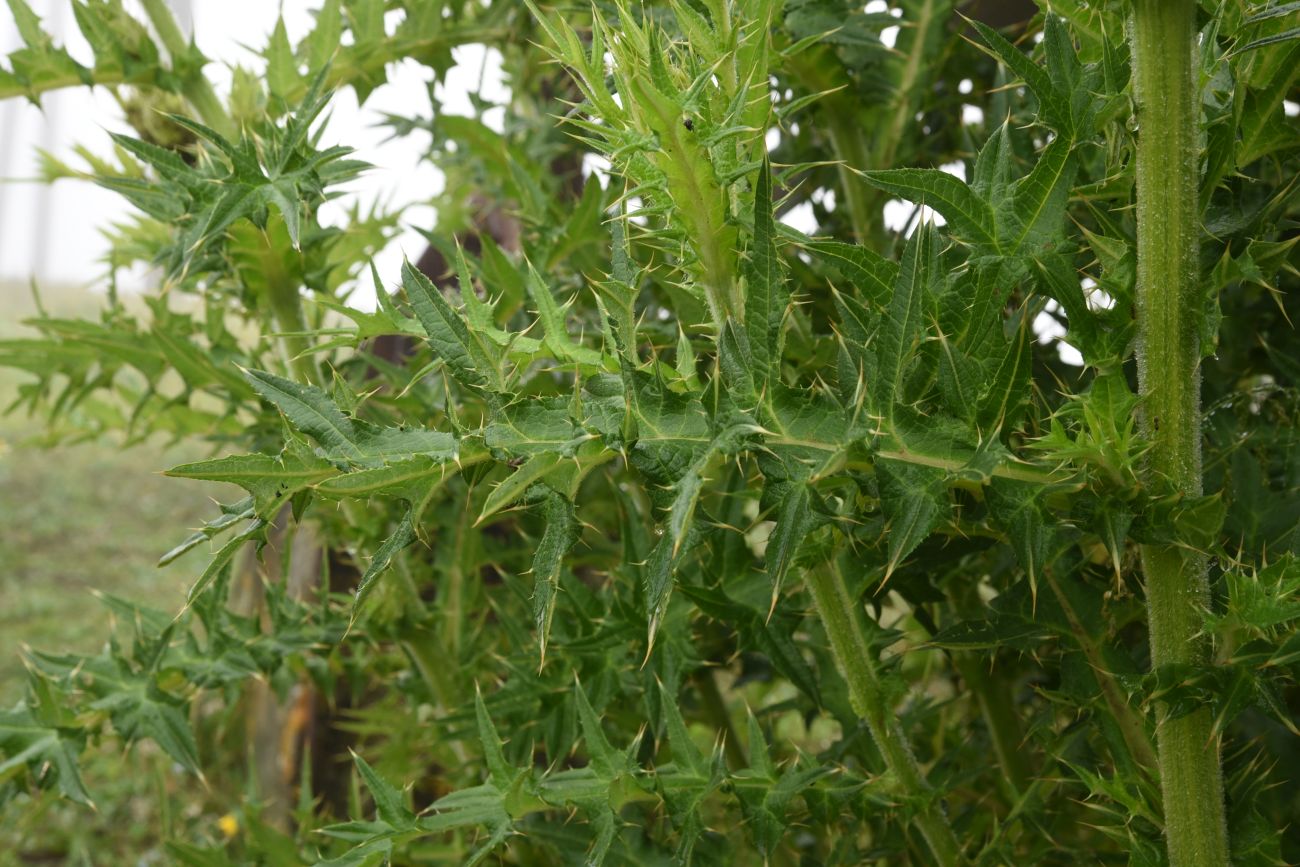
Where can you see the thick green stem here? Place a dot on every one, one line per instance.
(845, 625)
(701, 203)
(993, 698)
(286, 308)
(1170, 311)
(13, 87)
(196, 88)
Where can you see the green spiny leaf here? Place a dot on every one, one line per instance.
(513, 487)
(554, 329)
(607, 762)
(502, 774)
(767, 296)
(1017, 506)
(562, 531)
(390, 803)
(282, 76)
(221, 561)
(310, 410)
(794, 519)
(1054, 104)
(686, 754)
(46, 750)
(903, 326)
(870, 273)
(1037, 201)
(912, 499)
(404, 535)
(467, 354)
(1000, 398)
(970, 217)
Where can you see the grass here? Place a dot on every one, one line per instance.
(79, 518)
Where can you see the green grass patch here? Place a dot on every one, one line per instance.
(79, 518)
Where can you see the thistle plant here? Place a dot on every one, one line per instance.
(671, 533)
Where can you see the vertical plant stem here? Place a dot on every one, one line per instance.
(848, 140)
(994, 699)
(1126, 721)
(913, 74)
(286, 307)
(996, 706)
(1169, 320)
(862, 142)
(999, 712)
(715, 710)
(845, 625)
(842, 118)
(196, 88)
(452, 586)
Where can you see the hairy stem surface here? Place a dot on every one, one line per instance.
(1169, 319)
(845, 625)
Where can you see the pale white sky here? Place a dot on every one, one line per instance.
(53, 232)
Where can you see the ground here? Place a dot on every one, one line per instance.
(79, 517)
(76, 518)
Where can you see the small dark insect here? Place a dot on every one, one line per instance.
(689, 124)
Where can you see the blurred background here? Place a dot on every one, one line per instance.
(51, 232)
(95, 516)
(55, 502)
(51, 241)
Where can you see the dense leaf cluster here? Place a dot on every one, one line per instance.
(671, 533)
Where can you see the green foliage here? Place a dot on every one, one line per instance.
(652, 467)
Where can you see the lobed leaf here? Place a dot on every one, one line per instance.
(970, 217)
